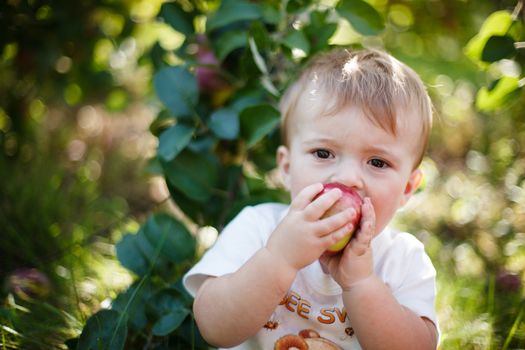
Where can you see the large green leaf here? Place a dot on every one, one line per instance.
(138, 254)
(174, 240)
(231, 11)
(225, 123)
(179, 19)
(498, 47)
(261, 36)
(177, 88)
(271, 13)
(105, 330)
(193, 174)
(130, 255)
(170, 322)
(132, 302)
(499, 95)
(230, 41)
(363, 17)
(173, 140)
(190, 207)
(252, 98)
(497, 24)
(257, 122)
(164, 301)
(167, 306)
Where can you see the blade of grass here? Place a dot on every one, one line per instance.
(75, 292)
(491, 300)
(513, 329)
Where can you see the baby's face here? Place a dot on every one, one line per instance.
(349, 148)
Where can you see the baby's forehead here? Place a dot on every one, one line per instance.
(316, 101)
(316, 105)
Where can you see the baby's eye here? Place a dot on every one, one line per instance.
(322, 154)
(378, 163)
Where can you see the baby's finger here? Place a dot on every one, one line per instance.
(306, 195)
(343, 219)
(316, 209)
(366, 232)
(338, 234)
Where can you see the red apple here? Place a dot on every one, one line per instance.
(350, 199)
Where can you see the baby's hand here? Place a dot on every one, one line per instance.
(355, 263)
(303, 235)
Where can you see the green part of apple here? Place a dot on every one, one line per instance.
(340, 245)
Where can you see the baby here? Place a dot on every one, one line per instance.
(359, 119)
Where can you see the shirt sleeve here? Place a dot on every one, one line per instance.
(239, 240)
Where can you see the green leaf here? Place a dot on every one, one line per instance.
(497, 48)
(363, 17)
(165, 301)
(297, 5)
(252, 98)
(190, 207)
(320, 30)
(174, 240)
(177, 88)
(204, 144)
(257, 122)
(179, 19)
(231, 11)
(260, 34)
(132, 302)
(173, 140)
(163, 121)
(230, 41)
(225, 123)
(497, 24)
(168, 307)
(296, 39)
(130, 255)
(271, 13)
(193, 174)
(137, 254)
(170, 322)
(149, 251)
(156, 55)
(105, 330)
(499, 95)
(186, 297)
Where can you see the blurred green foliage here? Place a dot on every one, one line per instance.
(213, 71)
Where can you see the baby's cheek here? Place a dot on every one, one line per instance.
(384, 211)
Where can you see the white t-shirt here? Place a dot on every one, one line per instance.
(314, 299)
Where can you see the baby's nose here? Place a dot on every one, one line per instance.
(349, 174)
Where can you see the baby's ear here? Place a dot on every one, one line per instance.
(413, 184)
(283, 163)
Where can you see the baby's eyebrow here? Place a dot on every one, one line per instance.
(384, 151)
(320, 140)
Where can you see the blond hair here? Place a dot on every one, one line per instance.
(373, 80)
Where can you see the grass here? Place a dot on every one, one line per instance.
(475, 315)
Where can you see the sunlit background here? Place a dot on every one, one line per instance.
(76, 105)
